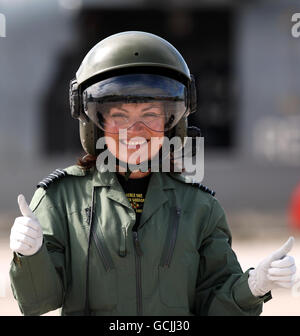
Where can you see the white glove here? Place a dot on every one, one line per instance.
(277, 270)
(26, 236)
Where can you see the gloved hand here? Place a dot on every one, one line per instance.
(277, 270)
(26, 236)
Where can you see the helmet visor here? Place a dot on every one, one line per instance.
(119, 102)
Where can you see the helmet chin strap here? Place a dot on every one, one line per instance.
(127, 174)
(120, 163)
(128, 171)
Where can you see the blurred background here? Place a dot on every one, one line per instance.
(245, 56)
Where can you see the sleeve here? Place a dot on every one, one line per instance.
(222, 287)
(39, 281)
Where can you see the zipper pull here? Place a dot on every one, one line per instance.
(88, 215)
(137, 245)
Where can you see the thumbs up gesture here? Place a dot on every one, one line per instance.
(277, 270)
(26, 236)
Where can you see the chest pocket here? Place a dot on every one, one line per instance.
(100, 285)
(178, 267)
(102, 275)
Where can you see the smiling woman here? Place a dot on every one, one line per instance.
(95, 243)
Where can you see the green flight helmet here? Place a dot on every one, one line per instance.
(130, 52)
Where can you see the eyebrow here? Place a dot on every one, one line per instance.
(150, 107)
(145, 109)
(120, 108)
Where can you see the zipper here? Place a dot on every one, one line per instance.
(89, 213)
(138, 269)
(102, 249)
(123, 251)
(137, 245)
(100, 243)
(171, 238)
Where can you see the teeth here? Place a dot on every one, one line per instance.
(134, 143)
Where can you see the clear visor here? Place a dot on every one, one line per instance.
(120, 102)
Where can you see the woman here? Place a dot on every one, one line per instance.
(118, 234)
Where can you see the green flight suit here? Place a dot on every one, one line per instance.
(179, 262)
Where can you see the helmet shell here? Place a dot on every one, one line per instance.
(132, 49)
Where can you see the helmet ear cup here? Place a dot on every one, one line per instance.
(74, 99)
(88, 131)
(89, 134)
(193, 95)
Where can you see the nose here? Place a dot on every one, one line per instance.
(137, 126)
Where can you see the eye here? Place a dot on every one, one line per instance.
(152, 114)
(118, 115)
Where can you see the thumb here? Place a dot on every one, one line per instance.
(283, 250)
(24, 207)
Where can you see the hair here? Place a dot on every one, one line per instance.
(87, 161)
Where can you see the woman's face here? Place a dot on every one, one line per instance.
(140, 128)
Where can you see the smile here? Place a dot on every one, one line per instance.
(134, 143)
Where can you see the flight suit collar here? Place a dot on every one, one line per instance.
(102, 179)
(156, 196)
(158, 180)
(115, 191)
(75, 170)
